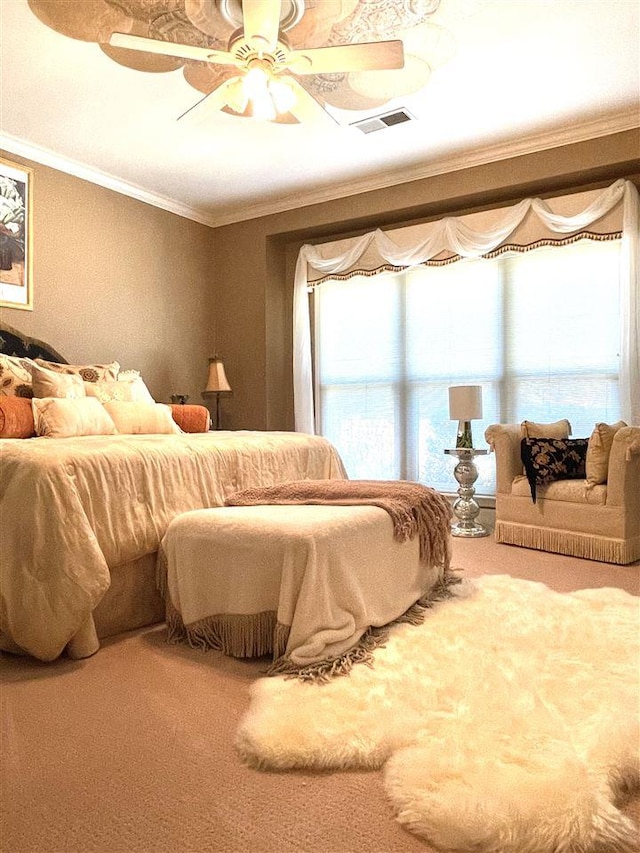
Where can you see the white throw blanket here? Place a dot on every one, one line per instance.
(304, 582)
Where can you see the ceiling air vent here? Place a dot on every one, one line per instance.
(373, 123)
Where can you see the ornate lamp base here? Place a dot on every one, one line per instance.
(465, 508)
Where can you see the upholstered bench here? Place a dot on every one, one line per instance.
(303, 583)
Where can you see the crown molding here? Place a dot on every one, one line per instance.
(452, 162)
(46, 157)
(463, 159)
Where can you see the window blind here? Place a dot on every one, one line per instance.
(539, 332)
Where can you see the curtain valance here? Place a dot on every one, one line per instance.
(529, 223)
(604, 212)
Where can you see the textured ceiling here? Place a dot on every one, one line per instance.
(485, 79)
(310, 24)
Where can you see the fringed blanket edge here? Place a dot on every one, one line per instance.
(372, 639)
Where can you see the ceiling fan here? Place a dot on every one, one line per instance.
(264, 87)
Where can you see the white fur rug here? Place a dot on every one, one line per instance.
(506, 723)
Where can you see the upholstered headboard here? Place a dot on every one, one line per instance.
(15, 343)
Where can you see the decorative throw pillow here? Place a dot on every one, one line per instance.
(128, 375)
(48, 383)
(558, 429)
(15, 376)
(57, 417)
(134, 376)
(88, 372)
(134, 418)
(548, 459)
(16, 417)
(598, 451)
(130, 390)
(191, 417)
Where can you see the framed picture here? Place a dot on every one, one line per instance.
(16, 238)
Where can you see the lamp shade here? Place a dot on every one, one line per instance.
(217, 379)
(465, 402)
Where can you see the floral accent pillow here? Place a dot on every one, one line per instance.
(15, 376)
(548, 459)
(88, 372)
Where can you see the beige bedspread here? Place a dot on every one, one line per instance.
(71, 508)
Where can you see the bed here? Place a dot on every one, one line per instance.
(82, 517)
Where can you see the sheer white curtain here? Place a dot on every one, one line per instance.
(455, 235)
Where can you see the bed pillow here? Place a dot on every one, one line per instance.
(129, 390)
(598, 451)
(548, 459)
(48, 383)
(557, 429)
(15, 376)
(143, 418)
(16, 417)
(58, 417)
(88, 372)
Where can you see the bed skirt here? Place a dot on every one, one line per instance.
(131, 602)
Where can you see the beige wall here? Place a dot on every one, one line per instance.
(255, 259)
(115, 278)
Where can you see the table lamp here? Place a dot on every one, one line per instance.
(217, 384)
(465, 405)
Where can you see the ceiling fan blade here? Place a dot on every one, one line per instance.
(170, 48)
(261, 22)
(215, 100)
(306, 108)
(369, 56)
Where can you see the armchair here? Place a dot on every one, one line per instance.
(574, 517)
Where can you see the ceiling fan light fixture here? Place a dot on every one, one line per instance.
(267, 96)
(261, 56)
(283, 96)
(237, 98)
(256, 80)
(253, 91)
(263, 108)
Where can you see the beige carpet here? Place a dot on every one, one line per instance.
(132, 750)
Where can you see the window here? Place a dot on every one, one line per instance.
(539, 331)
